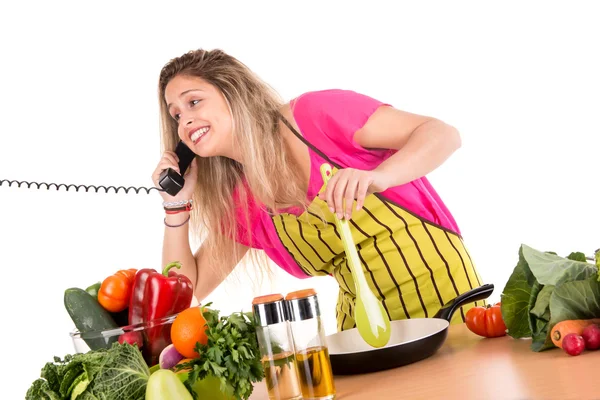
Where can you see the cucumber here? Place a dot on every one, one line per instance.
(89, 318)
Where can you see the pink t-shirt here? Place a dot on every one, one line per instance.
(328, 120)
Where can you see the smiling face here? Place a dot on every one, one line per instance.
(202, 114)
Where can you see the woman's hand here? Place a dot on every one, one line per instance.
(351, 184)
(170, 160)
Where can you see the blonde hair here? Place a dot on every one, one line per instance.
(266, 172)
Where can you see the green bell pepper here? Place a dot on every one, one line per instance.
(93, 289)
(164, 384)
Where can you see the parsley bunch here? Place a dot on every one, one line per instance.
(231, 354)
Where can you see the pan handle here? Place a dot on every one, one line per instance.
(478, 293)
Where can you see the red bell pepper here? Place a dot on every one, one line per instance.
(157, 295)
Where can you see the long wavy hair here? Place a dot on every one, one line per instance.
(266, 172)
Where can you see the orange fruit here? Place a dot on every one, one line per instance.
(188, 328)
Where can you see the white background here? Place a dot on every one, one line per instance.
(78, 105)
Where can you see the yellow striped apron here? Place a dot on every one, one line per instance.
(413, 266)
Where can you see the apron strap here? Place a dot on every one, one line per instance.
(306, 142)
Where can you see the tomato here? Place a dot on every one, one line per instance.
(115, 291)
(486, 321)
(127, 273)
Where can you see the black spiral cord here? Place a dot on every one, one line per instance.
(87, 188)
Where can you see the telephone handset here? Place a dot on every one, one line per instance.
(169, 179)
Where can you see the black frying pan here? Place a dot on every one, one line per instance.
(411, 340)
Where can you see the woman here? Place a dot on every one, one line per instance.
(255, 184)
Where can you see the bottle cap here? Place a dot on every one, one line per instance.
(269, 309)
(268, 298)
(299, 294)
(302, 305)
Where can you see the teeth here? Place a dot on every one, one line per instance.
(200, 132)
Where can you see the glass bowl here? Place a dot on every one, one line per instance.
(151, 336)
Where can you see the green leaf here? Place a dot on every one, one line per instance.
(542, 303)
(79, 386)
(51, 373)
(70, 376)
(122, 375)
(539, 316)
(215, 353)
(575, 300)
(217, 370)
(515, 300)
(235, 355)
(550, 269)
(540, 336)
(597, 260)
(535, 290)
(577, 256)
(40, 390)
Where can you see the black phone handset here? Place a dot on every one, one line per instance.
(169, 179)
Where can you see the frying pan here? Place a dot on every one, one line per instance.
(411, 340)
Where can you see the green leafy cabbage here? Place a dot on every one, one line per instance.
(118, 373)
(545, 289)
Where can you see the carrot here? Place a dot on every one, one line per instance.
(563, 328)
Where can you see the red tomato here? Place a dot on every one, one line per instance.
(128, 273)
(115, 291)
(486, 321)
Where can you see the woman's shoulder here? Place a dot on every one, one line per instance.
(321, 96)
(334, 109)
(333, 102)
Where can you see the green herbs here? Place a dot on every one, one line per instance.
(231, 354)
(597, 259)
(118, 373)
(545, 289)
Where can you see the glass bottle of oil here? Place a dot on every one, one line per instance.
(276, 348)
(312, 356)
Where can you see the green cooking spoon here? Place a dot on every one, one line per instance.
(371, 319)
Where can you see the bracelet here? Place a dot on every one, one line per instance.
(170, 211)
(176, 226)
(180, 203)
(175, 210)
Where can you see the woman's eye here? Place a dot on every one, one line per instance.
(176, 117)
(194, 102)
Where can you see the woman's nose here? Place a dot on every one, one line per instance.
(186, 120)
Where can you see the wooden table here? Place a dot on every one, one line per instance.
(471, 367)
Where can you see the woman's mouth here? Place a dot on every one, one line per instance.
(196, 135)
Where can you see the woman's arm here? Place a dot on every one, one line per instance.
(176, 245)
(204, 277)
(423, 144)
(209, 276)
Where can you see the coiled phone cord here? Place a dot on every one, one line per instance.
(87, 188)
